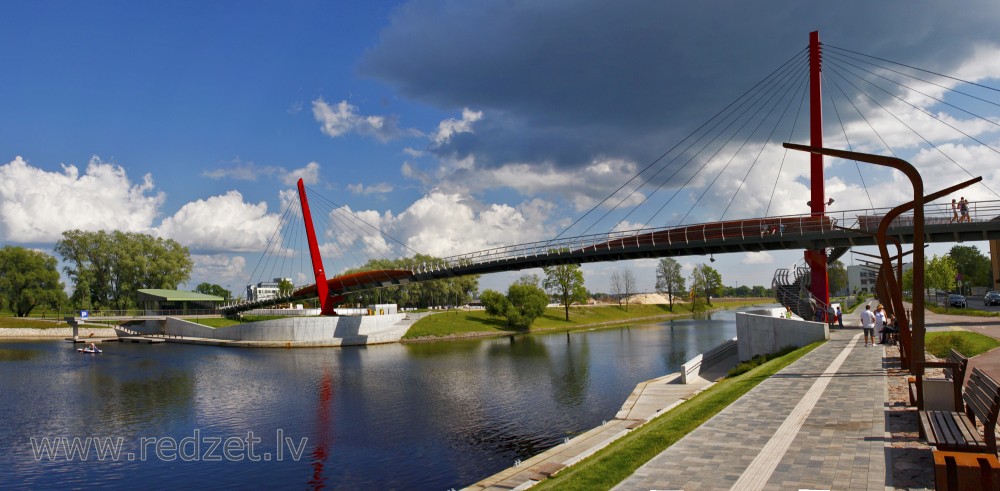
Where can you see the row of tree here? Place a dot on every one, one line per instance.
(450, 291)
(107, 270)
(943, 272)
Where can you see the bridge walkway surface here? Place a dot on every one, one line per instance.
(818, 424)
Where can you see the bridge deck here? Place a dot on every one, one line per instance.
(803, 232)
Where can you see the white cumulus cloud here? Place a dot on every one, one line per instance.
(38, 206)
(761, 257)
(220, 269)
(221, 223)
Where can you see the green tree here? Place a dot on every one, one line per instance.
(285, 287)
(527, 303)
(29, 279)
(707, 281)
(837, 277)
(669, 279)
(565, 282)
(939, 273)
(495, 303)
(973, 265)
(108, 268)
(213, 289)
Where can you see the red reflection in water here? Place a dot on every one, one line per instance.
(321, 453)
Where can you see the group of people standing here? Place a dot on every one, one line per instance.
(878, 321)
(960, 210)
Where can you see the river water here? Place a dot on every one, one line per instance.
(430, 415)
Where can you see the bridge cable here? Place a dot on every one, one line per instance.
(925, 111)
(897, 118)
(789, 70)
(801, 86)
(922, 70)
(784, 155)
(742, 145)
(661, 157)
(857, 166)
(265, 253)
(352, 220)
(693, 156)
(942, 101)
(705, 164)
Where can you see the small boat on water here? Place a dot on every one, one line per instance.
(88, 350)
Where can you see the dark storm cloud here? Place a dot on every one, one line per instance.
(565, 81)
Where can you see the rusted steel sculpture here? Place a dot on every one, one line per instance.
(915, 344)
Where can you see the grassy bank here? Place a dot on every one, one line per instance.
(30, 323)
(965, 342)
(620, 459)
(476, 322)
(957, 311)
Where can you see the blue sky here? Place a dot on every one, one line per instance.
(456, 126)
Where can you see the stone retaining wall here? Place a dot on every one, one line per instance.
(56, 332)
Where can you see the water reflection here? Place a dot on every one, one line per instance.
(418, 416)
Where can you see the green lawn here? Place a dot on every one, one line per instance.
(27, 322)
(965, 342)
(612, 464)
(957, 311)
(457, 322)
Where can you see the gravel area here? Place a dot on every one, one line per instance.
(912, 459)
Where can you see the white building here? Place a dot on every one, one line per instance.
(861, 278)
(265, 289)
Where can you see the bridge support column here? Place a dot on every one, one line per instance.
(816, 259)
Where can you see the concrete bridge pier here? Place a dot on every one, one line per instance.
(76, 327)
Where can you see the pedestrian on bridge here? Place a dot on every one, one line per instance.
(954, 211)
(963, 207)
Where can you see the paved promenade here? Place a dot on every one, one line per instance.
(817, 424)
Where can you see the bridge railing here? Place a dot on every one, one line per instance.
(779, 226)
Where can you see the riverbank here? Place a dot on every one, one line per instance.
(56, 332)
(456, 324)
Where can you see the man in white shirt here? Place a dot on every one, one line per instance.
(868, 324)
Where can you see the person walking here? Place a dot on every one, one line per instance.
(954, 211)
(879, 322)
(963, 208)
(868, 324)
(840, 317)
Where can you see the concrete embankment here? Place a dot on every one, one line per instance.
(56, 332)
(292, 332)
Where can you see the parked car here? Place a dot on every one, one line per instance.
(992, 298)
(956, 300)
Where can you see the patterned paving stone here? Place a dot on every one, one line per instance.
(839, 444)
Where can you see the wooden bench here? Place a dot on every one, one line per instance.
(956, 431)
(954, 371)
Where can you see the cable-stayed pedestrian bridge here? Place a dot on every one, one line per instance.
(941, 122)
(835, 231)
